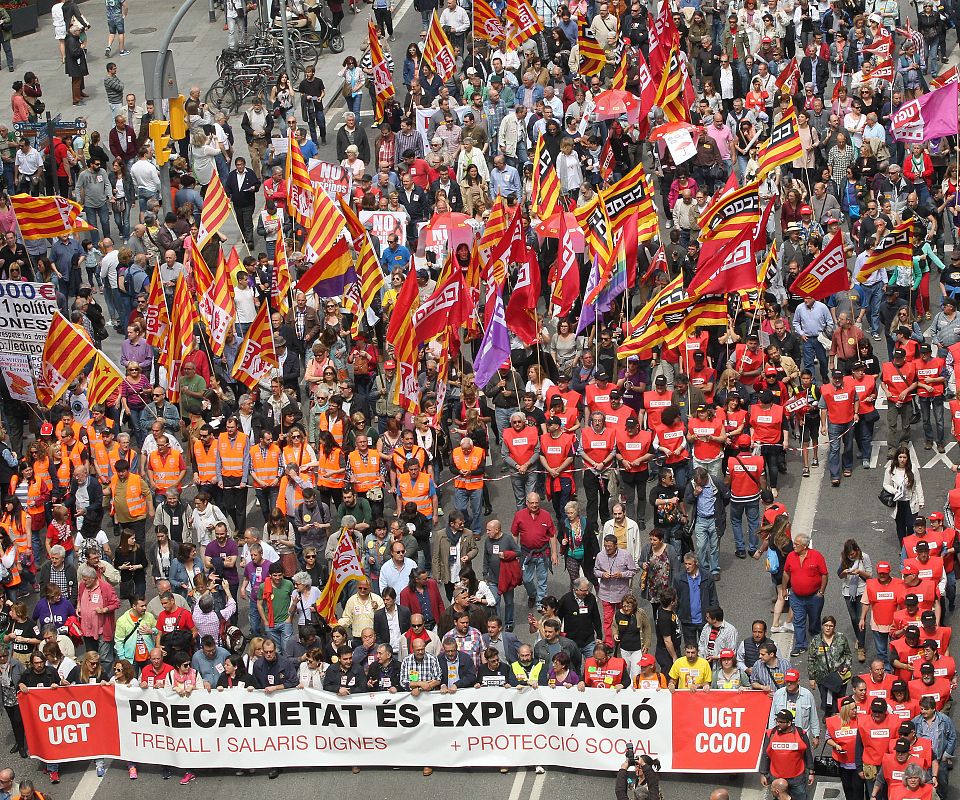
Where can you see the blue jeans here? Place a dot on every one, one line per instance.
(502, 416)
(256, 623)
(280, 634)
(707, 545)
(881, 646)
(840, 434)
(143, 195)
(813, 350)
(752, 510)
(864, 434)
(587, 650)
(869, 297)
(353, 103)
(535, 578)
(100, 219)
(932, 406)
(267, 498)
(507, 609)
(469, 502)
(806, 612)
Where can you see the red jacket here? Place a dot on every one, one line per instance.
(911, 174)
(408, 599)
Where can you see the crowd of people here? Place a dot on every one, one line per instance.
(186, 544)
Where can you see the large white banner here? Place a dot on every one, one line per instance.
(25, 313)
(488, 727)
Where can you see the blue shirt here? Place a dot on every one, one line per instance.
(707, 500)
(811, 321)
(309, 149)
(393, 257)
(505, 182)
(62, 255)
(696, 612)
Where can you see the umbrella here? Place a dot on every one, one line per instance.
(615, 103)
(670, 127)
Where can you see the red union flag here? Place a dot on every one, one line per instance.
(883, 71)
(523, 23)
(726, 265)
(827, 274)
(382, 77)
(486, 23)
(438, 51)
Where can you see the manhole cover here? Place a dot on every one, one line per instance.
(142, 31)
(183, 39)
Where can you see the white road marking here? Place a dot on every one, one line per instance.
(537, 789)
(89, 783)
(807, 500)
(517, 787)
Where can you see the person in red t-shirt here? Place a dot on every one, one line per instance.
(154, 675)
(880, 600)
(929, 685)
(805, 578)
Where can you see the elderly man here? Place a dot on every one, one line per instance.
(614, 569)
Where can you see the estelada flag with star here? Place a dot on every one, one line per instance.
(104, 380)
(345, 567)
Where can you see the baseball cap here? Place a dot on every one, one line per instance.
(647, 661)
(928, 615)
(899, 353)
(911, 600)
(883, 566)
(46, 429)
(902, 746)
(919, 519)
(805, 209)
(878, 705)
(390, 364)
(925, 348)
(935, 516)
(727, 653)
(911, 631)
(660, 379)
(554, 421)
(837, 373)
(859, 365)
(791, 675)
(832, 221)
(926, 666)
(908, 569)
(785, 714)
(770, 371)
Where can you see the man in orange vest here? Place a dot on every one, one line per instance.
(266, 467)
(165, 468)
(132, 503)
(842, 405)
(469, 468)
(365, 471)
(205, 452)
(557, 449)
(233, 472)
(931, 387)
(416, 486)
(520, 450)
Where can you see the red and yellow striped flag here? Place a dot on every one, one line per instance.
(593, 58)
(157, 316)
(353, 306)
(65, 352)
(104, 381)
(546, 184)
(400, 334)
(437, 50)
(383, 88)
(354, 226)
(183, 318)
(257, 356)
(345, 567)
(300, 201)
(895, 250)
(670, 92)
(619, 80)
(369, 274)
(325, 227)
(216, 209)
(493, 232)
(486, 23)
(523, 23)
(783, 146)
(280, 280)
(703, 313)
(598, 230)
(47, 217)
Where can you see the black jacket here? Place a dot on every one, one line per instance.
(454, 196)
(416, 203)
(467, 673)
(580, 628)
(335, 679)
(382, 629)
(359, 139)
(242, 189)
(95, 504)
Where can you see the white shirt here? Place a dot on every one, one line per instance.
(269, 554)
(246, 308)
(145, 175)
(108, 268)
(455, 18)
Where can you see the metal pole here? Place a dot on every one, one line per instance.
(287, 62)
(52, 167)
(157, 88)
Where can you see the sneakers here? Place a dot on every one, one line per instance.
(188, 777)
(861, 655)
(539, 770)
(776, 629)
(107, 52)
(55, 776)
(124, 52)
(797, 651)
(788, 627)
(865, 464)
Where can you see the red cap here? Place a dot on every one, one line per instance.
(770, 371)
(935, 515)
(884, 567)
(647, 661)
(727, 653)
(791, 675)
(390, 364)
(805, 209)
(908, 569)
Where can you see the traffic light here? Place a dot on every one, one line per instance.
(178, 119)
(159, 134)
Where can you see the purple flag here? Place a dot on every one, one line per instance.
(494, 347)
(929, 117)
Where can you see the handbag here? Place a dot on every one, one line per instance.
(824, 765)
(886, 497)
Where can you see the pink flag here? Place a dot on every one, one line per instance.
(931, 116)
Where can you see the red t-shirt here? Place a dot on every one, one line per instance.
(805, 576)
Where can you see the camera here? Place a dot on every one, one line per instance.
(630, 754)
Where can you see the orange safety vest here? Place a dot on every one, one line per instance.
(64, 471)
(231, 455)
(104, 459)
(336, 429)
(465, 463)
(41, 467)
(135, 494)
(400, 458)
(365, 474)
(165, 470)
(282, 497)
(74, 455)
(418, 493)
(35, 492)
(265, 465)
(93, 436)
(206, 461)
(331, 464)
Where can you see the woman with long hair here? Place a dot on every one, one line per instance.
(855, 569)
(123, 194)
(828, 663)
(842, 741)
(185, 568)
(131, 563)
(907, 492)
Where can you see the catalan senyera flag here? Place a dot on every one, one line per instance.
(619, 80)
(597, 228)
(66, 351)
(325, 227)
(331, 272)
(157, 316)
(382, 76)
(769, 261)
(783, 146)
(523, 23)
(705, 312)
(486, 23)
(437, 50)
(369, 276)
(789, 77)
(47, 217)
(179, 344)
(300, 198)
(354, 226)
(257, 356)
(593, 58)
(400, 334)
(280, 280)
(895, 250)
(546, 184)
(644, 329)
(671, 92)
(216, 209)
(354, 307)
(345, 567)
(104, 380)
